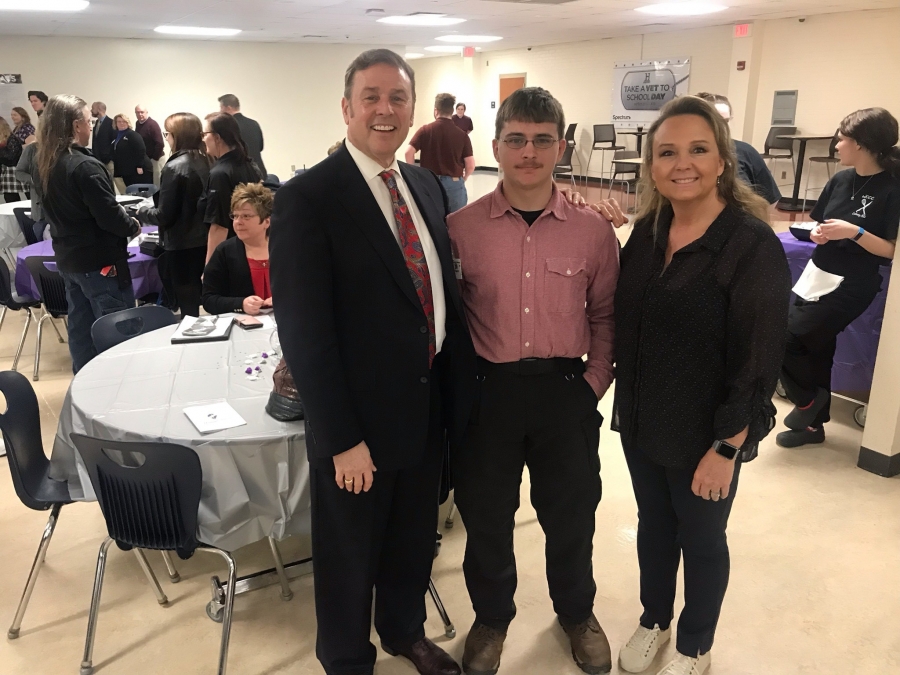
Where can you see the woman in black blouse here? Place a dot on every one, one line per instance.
(701, 319)
(130, 162)
(858, 212)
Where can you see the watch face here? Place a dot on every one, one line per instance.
(726, 450)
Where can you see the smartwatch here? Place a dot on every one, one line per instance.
(727, 450)
(859, 234)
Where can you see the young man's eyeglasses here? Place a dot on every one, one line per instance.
(539, 142)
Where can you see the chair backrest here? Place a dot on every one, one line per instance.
(26, 224)
(50, 285)
(565, 161)
(772, 140)
(625, 168)
(141, 189)
(111, 329)
(604, 133)
(6, 298)
(570, 133)
(832, 147)
(149, 493)
(21, 426)
(272, 178)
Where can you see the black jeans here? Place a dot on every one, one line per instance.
(550, 423)
(673, 523)
(813, 328)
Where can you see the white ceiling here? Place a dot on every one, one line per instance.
(521, 24)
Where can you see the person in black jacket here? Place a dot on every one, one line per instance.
(90, 230)
(181, 228)
(130, 162)
(233, 166)
(251, 132)
(237, 275)
(103, 135)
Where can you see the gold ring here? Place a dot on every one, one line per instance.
(348, 482)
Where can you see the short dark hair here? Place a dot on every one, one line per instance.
(41, 96)
(443, 103)
(531, 104)
(876, 131)
(373, 57)
(230, 101)
(461, 105)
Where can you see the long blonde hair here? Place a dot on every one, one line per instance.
(731, 189)
(57, 132)
(5, 131)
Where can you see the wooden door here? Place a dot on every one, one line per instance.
(509, 84)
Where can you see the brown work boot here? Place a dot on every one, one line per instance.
(483, 648)
(590, 648)
(284, 401)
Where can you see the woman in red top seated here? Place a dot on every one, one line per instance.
(236, 278)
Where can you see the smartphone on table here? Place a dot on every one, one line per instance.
(248, 322)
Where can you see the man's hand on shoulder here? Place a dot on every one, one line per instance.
(353, 469)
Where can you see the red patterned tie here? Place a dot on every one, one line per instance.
(414, 255)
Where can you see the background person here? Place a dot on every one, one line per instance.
(10, 153)
(90, 230)
(446, 151)
(23, 129)
(27, 173)
(460, 120)
(701, 318)
(38, 100)
(858, 214)
(149, 130)
(251, 132)
(130, 162)
(232, 167)
(103, 135)
(183, 233)
(237, 275)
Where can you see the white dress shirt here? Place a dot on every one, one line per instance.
(371, 170)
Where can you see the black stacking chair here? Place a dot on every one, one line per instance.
(829, 160)
(272, 178)
(26, 224)
(111, 329)
(149, 494)
(565, 165)
(141, 189)
(784, 146)
(570, 143)
(624, 169)
(604, 139)
(53, 300)
(10, 301)
(30, 469)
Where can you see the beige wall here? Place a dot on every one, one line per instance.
(293, 91)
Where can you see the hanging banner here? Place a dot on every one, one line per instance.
(12, 94)
(641, 88)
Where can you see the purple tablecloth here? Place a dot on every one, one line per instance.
(144, 270)
(857, 346)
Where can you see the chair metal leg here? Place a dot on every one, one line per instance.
(151, 577)
(174, 577)
(229, 606)
(3, 315)
(806, 189)
(29, 317)
(56, 328)
(37, 345)
(587, 167)
(449, 629)
(13, 631)
(87, 667)
(448, 523)
(286, 592)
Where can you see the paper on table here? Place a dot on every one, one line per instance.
(214, 417)
(815, 283)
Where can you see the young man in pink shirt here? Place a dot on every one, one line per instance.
(537, 277)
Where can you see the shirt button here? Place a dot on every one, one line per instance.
(423, 380)
(527, 310)
(568, 271)
(527, 238)
(527, 274)
(527, 344)
(423, 329)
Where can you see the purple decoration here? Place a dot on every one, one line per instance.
(264, 355)
(249, 371)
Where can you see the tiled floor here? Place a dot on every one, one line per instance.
(814, 587)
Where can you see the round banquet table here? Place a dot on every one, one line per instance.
(857, 346)
(255, 477)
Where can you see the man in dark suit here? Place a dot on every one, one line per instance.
(103, 135)
(372, 326)
(251, 132)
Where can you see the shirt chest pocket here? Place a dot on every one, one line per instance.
(565, 284)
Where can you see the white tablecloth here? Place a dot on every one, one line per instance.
(255, 477)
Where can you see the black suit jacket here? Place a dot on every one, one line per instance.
(226, 279)
(103, 136)
(351, 325)
(252, 134)
(130, 154)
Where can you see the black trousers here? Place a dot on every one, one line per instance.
(674, 523)
(181, 273)
(813, 328)
(550, 423)
(382, 539)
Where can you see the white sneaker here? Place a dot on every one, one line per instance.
(638, 654)
(687, 665)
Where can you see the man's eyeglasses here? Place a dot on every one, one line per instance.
(540, 143)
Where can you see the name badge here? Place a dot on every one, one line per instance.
(457, 269)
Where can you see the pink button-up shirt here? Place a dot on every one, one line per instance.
(543, 291)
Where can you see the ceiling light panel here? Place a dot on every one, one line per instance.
(197, 31)
(681, 8)
(468, 39)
